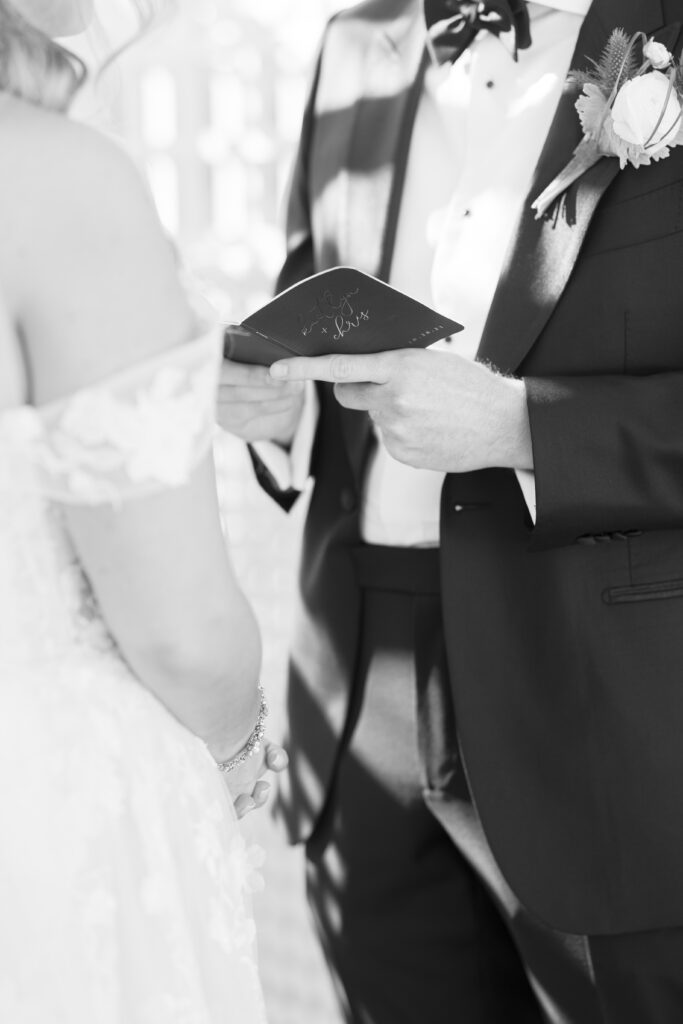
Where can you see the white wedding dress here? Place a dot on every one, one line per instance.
(123, 874)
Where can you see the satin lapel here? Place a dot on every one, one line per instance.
(543, 253)
(376, 170)
(384, 111)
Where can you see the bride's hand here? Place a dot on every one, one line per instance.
(248, 788)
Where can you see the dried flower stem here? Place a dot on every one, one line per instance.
(586, 155)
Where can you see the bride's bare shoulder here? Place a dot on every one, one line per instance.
(55, 170)
(86, 268)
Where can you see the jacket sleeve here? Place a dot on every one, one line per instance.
(299, 263)
(608, 455)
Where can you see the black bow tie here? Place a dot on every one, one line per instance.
(453, 24)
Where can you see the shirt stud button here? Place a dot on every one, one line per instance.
(490, 84)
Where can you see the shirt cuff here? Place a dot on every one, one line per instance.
(291, 469)
(527, 482)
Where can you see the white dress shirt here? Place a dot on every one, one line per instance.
(479, 130)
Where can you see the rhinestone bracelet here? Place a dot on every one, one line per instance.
(253, 744)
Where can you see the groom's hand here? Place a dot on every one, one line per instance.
(435, 410)
(257, 407)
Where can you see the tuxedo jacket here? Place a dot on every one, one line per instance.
(565, 638)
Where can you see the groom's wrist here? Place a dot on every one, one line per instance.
(512, 430)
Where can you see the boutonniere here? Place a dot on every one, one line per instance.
(629, 108)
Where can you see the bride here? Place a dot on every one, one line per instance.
(129, 657)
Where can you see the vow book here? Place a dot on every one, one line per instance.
(339, 310)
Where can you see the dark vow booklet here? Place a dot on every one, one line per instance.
(338, 310)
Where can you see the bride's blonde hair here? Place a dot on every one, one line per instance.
(36, 68)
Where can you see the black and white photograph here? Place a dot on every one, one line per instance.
(341, 512)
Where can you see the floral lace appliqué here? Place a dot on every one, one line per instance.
(140, 431)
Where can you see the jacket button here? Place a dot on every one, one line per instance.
(347, 499)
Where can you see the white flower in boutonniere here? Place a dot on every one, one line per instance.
(630, 109)
(637, 116)
(657, 54)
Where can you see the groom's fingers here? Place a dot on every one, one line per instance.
(276, 391)
(376, 368)
(252, 383)
(243, 375)
(359, 396)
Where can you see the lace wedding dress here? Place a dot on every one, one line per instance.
(122, 870)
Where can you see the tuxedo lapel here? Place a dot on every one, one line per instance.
(387, 98)
(375, 173)
(543, 253)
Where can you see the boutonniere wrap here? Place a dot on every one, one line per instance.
(630, 107)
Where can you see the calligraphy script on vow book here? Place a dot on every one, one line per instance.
(338, 310)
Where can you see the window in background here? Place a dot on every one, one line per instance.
(212, 101)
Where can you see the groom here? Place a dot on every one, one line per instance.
(486, 702)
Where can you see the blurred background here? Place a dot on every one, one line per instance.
(209, 104)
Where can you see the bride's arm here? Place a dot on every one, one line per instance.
(168, 594)
(93, 289)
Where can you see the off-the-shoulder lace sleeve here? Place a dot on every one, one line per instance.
(135, 433)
